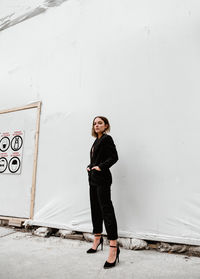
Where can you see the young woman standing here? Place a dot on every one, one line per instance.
(103, 155)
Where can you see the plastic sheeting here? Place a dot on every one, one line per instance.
(15, 198)
(137, 63)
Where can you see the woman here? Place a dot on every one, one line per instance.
(103, 155)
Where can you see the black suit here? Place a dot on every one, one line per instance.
(103, 154)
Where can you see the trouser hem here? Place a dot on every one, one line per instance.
(112, 238)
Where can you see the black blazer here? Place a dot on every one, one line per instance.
(104, 156)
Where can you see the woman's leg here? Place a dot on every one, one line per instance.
(107, 209)
(96, 214)
(112, 251)
(104, 196)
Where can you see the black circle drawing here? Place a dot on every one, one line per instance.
(4, 144)
(16, 143)
(14, 164)
(3, 164)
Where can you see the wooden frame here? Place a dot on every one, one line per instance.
(11, 219)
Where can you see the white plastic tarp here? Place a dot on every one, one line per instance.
(15, 197)
(136, 62)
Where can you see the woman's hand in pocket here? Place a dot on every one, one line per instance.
(96, 168)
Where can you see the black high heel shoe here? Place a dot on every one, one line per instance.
(91, 250)
(109, 265)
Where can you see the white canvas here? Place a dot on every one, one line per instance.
(137, 63)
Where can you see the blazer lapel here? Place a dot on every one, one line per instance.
(96, 147)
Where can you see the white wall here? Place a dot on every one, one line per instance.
(15, 197)
(136, 62)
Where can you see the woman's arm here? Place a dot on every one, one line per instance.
(110, 154)
(89, 167)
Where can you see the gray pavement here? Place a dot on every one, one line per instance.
(24, 256)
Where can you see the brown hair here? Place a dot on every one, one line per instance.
(105, 120)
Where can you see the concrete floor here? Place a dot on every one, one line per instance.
(28, 257)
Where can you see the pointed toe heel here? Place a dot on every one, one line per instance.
(91, 250)
(109, 265)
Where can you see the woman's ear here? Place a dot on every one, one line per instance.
(106, 125)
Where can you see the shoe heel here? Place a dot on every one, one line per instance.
(101, 243)
(118, 251)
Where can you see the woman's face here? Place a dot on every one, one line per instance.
(99, 125)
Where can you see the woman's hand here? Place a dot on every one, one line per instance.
(88, 169)
(96, 168)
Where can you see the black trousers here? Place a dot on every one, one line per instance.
(102, 210)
